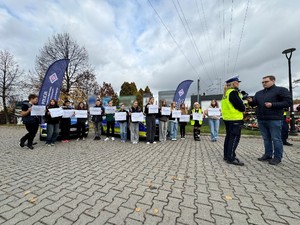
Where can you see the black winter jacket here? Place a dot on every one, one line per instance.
(279, 97)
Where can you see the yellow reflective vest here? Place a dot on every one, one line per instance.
(228, 110)
(193, 121)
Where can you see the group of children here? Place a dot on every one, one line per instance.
(167, 124)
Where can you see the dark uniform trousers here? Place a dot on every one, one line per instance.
(232, 139)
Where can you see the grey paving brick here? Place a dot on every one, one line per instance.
(115, 204)
(173, 204)
(63, 221)
(129, 221)
(74, 203)
(11, 213)
(139, 214)
(238, 218)
(150, 219)
(132, 201)
(95, 210)
(19, 217)
(102, 218)
(36, 217)
(204, 212)
(54, 216)
(76, 212)
(187, 215)
(148, 198)
(37, 206)
(121, 215)
(254, 216)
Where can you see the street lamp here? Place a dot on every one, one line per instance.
(288, 54)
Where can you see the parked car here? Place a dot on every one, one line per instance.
(142, 128)
(73, 129)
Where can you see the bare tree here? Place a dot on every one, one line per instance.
(87, 82)
(9, 76)
(61, 46)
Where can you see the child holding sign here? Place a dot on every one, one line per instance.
(52, 123)
(196, 120)
(214, 115)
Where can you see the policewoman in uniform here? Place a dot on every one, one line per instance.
(233, 110)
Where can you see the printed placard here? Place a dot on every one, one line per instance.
(137, 117)
(166, 111)
(95, 111)
(120, 116)
(56, 112)
(81, 113)
(176, 113)
(68, 113)
(110, 109)
(213, 112)
(152, 109)
(38, 110)
(184, 118)
(197, 116)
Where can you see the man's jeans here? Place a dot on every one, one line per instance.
(271, 133)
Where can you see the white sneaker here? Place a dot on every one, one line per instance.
(174, 139)
(83, 139)
(154, 142)
(148, 143)
(78, 139)
(112, 138)
(106, 139)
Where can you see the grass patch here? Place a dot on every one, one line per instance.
(205, 129)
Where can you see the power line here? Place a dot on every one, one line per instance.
(243, 27)
(190, 34)
(210, 51)
(173, 38)
(229, 47)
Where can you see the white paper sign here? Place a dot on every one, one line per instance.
(110, 109)
(95, 111)
(120, 116)
(38, 110)
(81, 113)
(56, 112)
(137, 117)
(152, 109)
(213, 112)
(184, 118)
(165, 111)
(176, 113)
(197, 116)
(68, 113)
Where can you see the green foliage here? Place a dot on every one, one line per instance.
(128, 89)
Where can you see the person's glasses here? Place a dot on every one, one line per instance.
(265, 82)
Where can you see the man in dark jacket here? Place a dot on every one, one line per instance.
(270, 103)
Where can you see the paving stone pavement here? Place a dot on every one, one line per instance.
(177, 182)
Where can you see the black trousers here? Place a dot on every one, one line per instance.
(110, 126)
(32, 129)
(232, 138)
(150, 124)
(284, 131)
(196, 132)
(182, 129)
(80, 129)
(65, 125)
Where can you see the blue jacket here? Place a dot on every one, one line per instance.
(280, 98)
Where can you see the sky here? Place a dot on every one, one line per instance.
(160, 43)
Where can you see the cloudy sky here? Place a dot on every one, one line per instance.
(159, 43)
